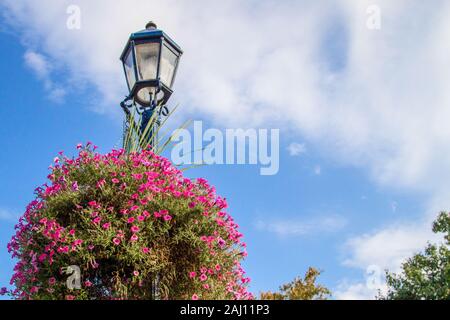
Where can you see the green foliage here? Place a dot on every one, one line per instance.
(300, 289)
(425, 276)
(151, 138)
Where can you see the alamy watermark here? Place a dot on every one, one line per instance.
(374, 277)
(74, 280)
(373, 21)
(73, 21)
(234, 146)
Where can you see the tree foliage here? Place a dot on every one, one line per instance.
(300, 289)
(425, 275)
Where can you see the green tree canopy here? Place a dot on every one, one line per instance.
(426, 275)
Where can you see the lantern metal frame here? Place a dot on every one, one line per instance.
(162, 91)
(150, 35)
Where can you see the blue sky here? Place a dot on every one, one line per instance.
(362, 192)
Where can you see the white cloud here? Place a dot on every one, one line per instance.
(42, 68)
(37, 63)
(296, 149)
(355, 291)
(388, 247)
(296, 227)
(376, 99)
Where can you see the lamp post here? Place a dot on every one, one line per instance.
(150, 62)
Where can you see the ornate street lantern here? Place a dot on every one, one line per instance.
(150, 61)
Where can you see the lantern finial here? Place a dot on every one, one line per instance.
(150, 26)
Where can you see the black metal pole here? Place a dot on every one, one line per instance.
(146, 116)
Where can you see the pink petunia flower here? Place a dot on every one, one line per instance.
(134, 229)
(116, 241)
(145, 250)
(42, 257)
(63, 249)
(136, 273)
(101, 183)
(97, 220)
(87, 283)
(120, 234)
(221, 242)
(134, 238)
(106, 225)
(115, 181)
(192, 274)
(157, 214)
(92, 203)
(52, 281)
(194, 297)
(203, 277)
(167, 217)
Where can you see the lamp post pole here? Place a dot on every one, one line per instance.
(150, 62)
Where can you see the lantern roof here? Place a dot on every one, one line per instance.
(150, 32)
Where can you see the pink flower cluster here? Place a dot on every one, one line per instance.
(155, 201)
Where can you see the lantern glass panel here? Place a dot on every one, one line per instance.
(147, 94)
(169, 62)
(129, 69)
(147, 55)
